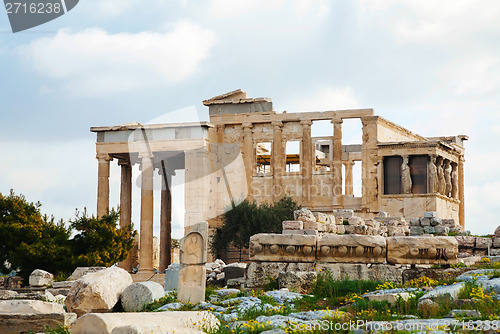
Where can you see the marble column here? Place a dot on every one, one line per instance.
(461, 194)
(432, 175)
(278, 161)
(103, 184)
(337, 159)
(306, 162)
(248, 156)
(348, 185)
(126, 204)
(405, 176)
(165, 219)
(147, 210)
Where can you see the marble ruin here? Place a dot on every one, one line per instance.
(242, 152)
(193, 256)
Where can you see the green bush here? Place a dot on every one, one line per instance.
(30, 240)
(249, 218)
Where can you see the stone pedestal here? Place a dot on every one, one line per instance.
(193, 256)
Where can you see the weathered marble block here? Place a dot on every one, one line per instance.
(292, 225)
(422, 250)
(351, 249)
(315, 226)
(282, 248)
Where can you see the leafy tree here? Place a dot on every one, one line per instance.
(30, 240)
(99, 242)
(249, 218)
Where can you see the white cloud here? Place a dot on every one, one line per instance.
(61, 175)
(324, 98)
(107, 9)
(303, 8)
(94, 62)
(475, 75)
(434, 22)
(233, 9)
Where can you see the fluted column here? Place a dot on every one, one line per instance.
(248, 156)
(337, 159)
(306, 162)
(103, 184)
(461, 194)
(165, 219)
(349, 188)
(147, 209)
(278, 161)
(125, 203)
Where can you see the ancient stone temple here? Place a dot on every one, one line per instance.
(243, 152)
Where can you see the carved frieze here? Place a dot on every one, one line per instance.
(282, 248)
(422, 250)
(351, 248)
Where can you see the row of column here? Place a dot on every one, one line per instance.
(146, 161)
(442, 175)
(307, 157)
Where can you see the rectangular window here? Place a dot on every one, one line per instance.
(392, 175)
(418, 172)
(292, 156)
(263, 152)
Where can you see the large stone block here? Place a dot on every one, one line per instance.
(496, 242)
(40, 278)
(483, 243)
(466, 241)
(191, 277)
(422, 250)
(30, 306)
(155, 322)
(353, 221)
(292, 225)
(81, 271)
(351, 249)
(304, 215)
(425, 221)
(299, 281)
(321, 227)
(497, 232)
(322, 217)
(138, 295)
(98, 291)
(414, 222)
(15, 323)
(361, 271)
(259, 273)
(343, 213)
(282, 248)
(416, 230)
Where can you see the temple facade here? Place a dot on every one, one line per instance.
(243, 152)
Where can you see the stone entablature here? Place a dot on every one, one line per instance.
(353, 249)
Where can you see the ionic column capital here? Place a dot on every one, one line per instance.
(103, 156)
(278, 124)
(247, 125)
(306, 122)
(146, 155)
(337, 121)
(348, 163)
(124, 162)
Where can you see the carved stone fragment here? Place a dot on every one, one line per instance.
(422, 250)
(282, 248)
(351, 249)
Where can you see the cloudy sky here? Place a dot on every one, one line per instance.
(431, 66)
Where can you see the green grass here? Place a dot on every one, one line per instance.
(170, 298)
